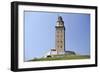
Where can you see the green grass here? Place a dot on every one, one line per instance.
(62, 57)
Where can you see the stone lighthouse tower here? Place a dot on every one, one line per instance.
(60, 36)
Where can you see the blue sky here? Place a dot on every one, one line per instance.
(39, 33)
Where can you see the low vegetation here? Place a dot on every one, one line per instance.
(61, 57)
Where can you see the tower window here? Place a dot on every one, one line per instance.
(57, 36)
(61, 41)
(60, 46)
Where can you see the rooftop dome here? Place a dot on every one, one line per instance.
(60, 18)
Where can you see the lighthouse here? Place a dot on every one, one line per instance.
(60, 36)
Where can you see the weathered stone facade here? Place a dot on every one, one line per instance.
(60, 36)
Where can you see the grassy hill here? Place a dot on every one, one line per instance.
(62, 57)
